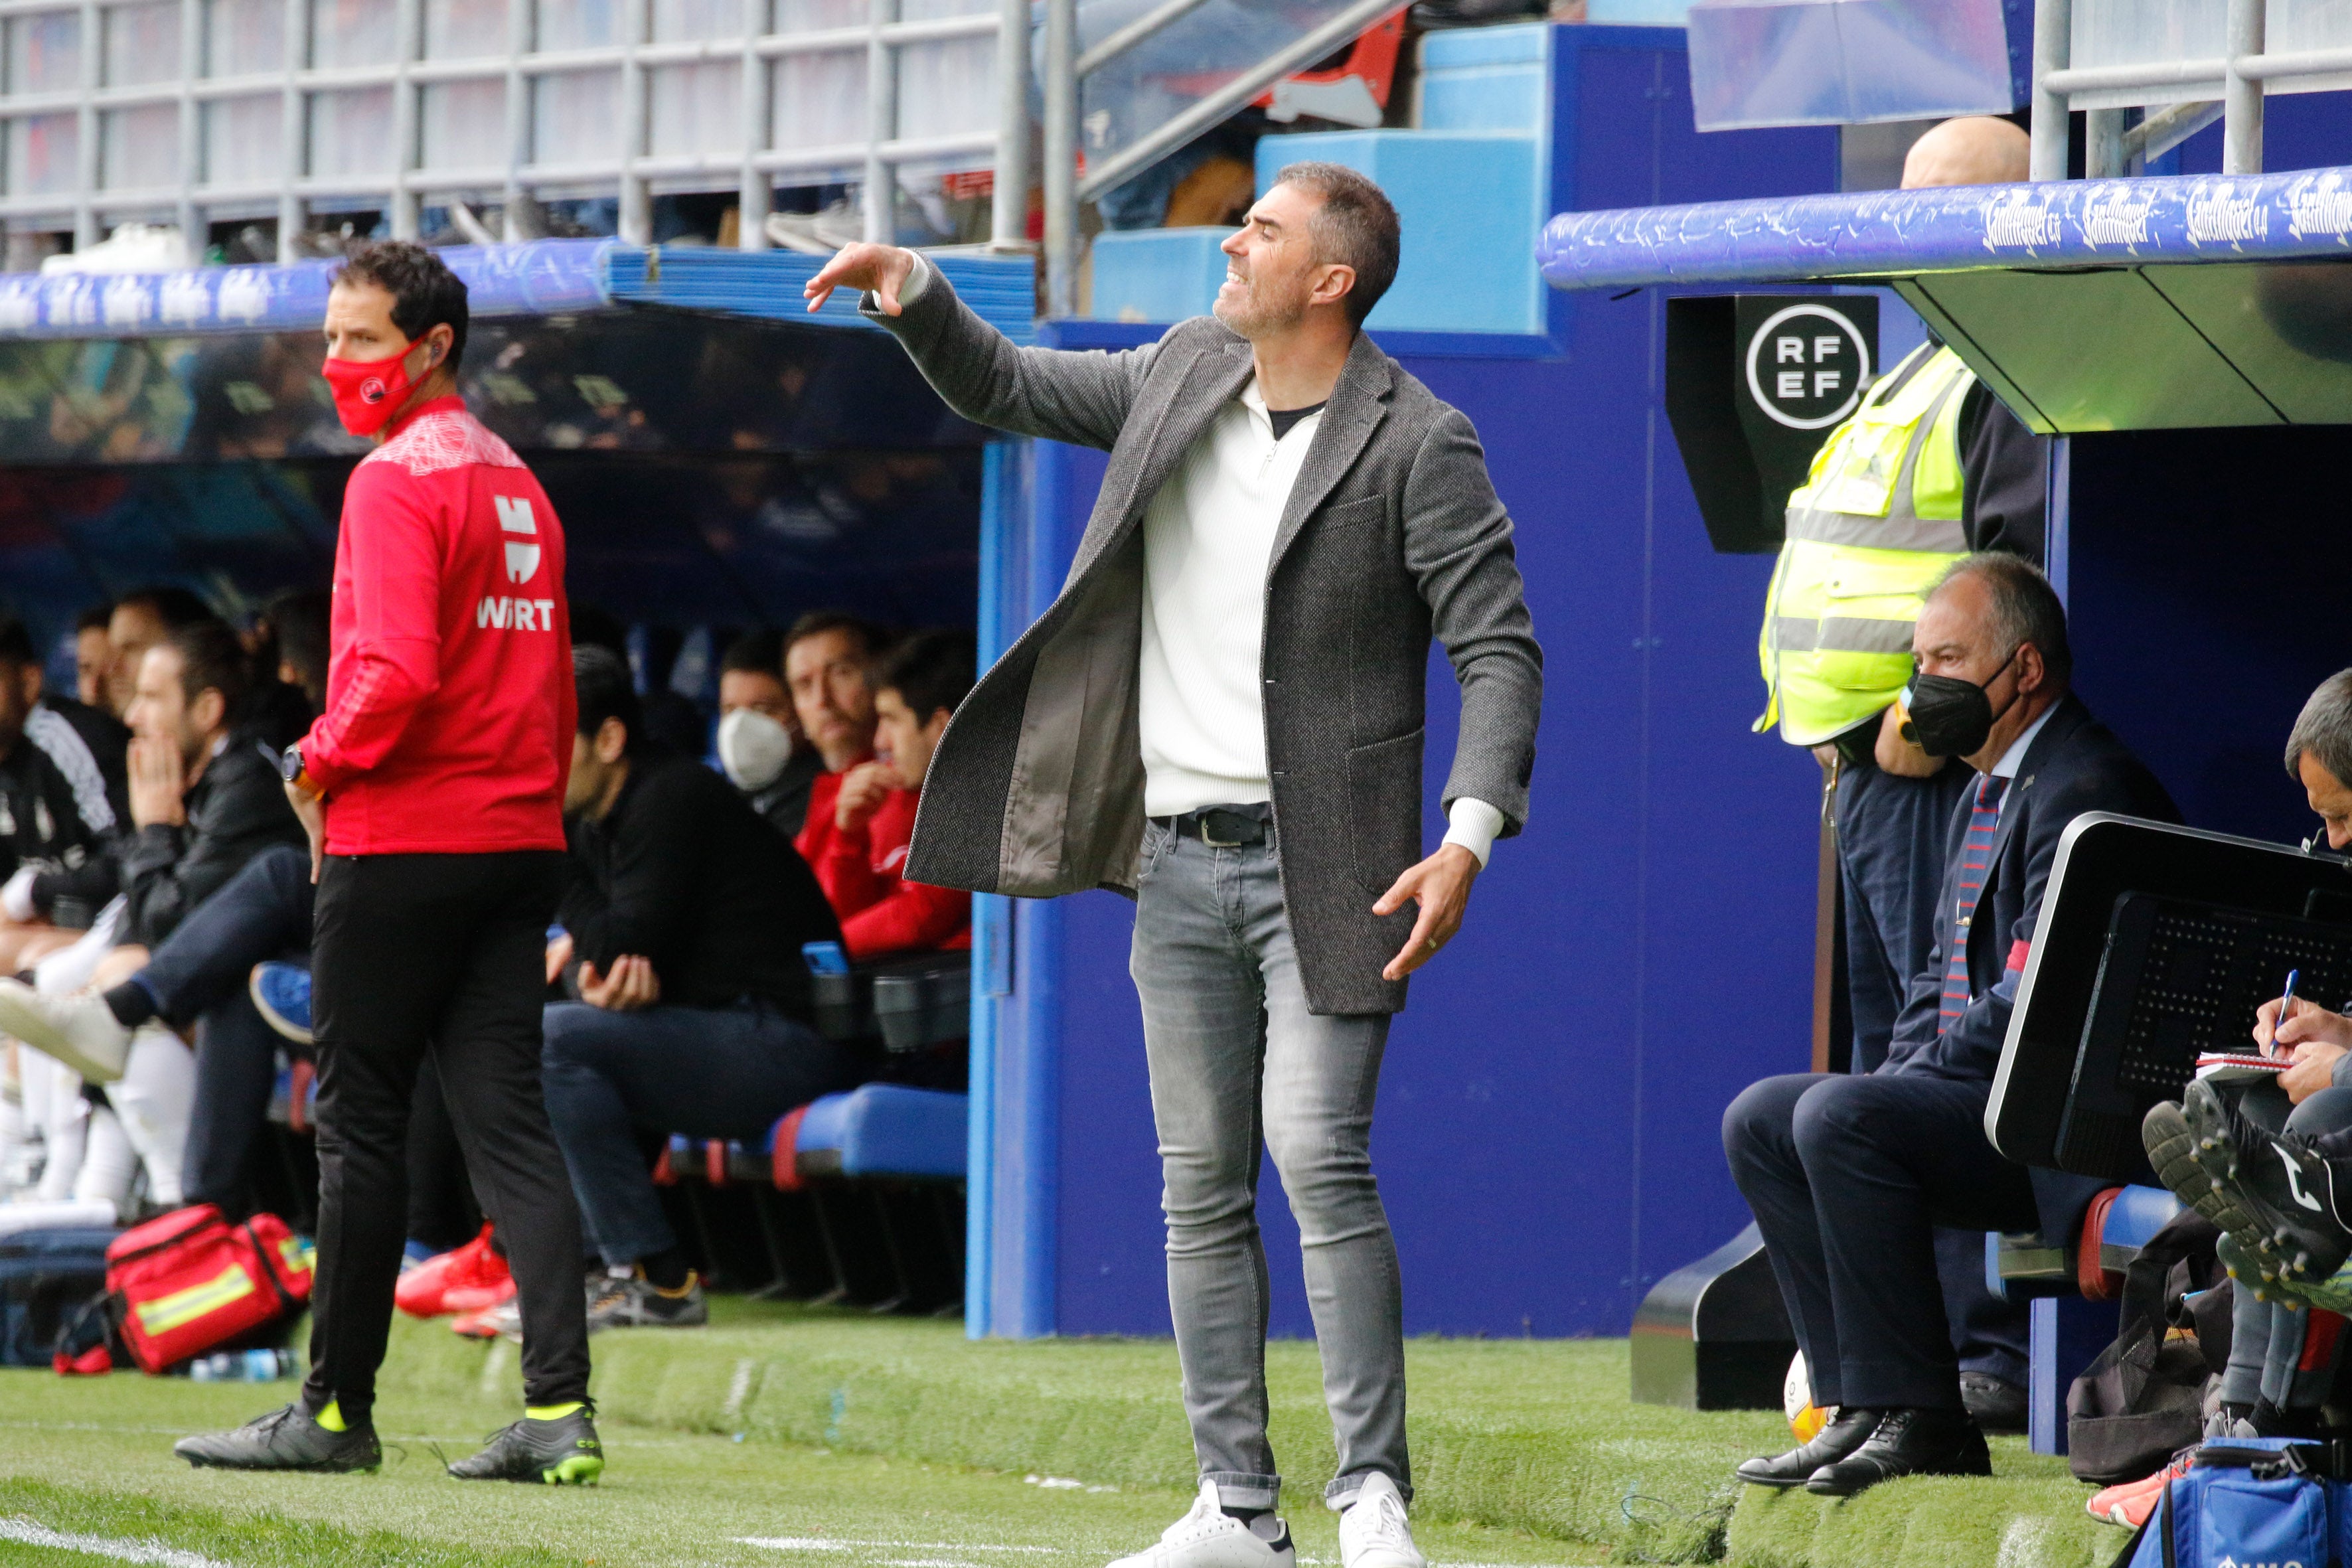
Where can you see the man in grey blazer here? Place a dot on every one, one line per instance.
(1222, 715)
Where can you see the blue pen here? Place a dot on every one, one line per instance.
(2286, 1000)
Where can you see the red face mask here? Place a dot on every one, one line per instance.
(368, 392)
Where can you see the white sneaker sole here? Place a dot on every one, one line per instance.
(21, 1016)
(286, 1028)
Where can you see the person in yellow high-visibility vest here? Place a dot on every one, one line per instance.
(1931, 465)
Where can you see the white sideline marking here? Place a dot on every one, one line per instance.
(827, 1543)
(152, 1553)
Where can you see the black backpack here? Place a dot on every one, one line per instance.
(47, 1278)
(2144, 1398)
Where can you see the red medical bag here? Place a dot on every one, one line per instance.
(189, 1282)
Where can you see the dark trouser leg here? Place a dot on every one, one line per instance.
(1892, 833)
(385, 955)
(1991, 1333)
(1760, 1141)
(706, 1072)
(440, 953)
(237, 1068)
(262, 912)
(1888, 1160)
(442, 1210)
(487, 1046)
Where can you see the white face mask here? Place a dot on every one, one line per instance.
(753, 748)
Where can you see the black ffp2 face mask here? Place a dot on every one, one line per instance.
(1950, 717)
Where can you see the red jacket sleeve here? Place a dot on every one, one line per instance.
(914, 918)
(844, 870)
(893, 915)
(394, 535)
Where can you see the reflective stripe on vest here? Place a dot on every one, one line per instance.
(1877, 520)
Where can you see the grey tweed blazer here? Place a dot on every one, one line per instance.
(1392, 532)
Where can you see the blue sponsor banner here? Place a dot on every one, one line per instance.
(543, 277)
(2074, 222)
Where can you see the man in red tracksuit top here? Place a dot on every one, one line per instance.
(433, 788)
(857, 847)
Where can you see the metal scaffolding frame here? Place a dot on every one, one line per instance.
(516, 171)
(2230, 87)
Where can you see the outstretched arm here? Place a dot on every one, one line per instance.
(1080, 397)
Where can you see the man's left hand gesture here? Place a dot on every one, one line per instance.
(1441, 886)
(159, 782)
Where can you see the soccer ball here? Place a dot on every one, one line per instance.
(1806, 1420)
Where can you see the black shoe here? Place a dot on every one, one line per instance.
(632, 1301)
(1832, 1442)
(2171, 1145)
(1995, 1403)
(1908, 1443)
(286, 1439)
(558, 1453)
(2287, 1187)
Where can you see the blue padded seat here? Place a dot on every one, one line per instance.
(877, 1130)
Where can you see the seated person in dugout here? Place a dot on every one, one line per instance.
(827, 657)
(761, 747)
(2272, 1164)
(1849, 1176)
(62, 807)
(916, 687)
(685, 916)
(205, 800)
(196, 979)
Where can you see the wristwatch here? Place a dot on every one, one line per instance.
(289, 768)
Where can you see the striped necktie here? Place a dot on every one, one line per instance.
(1975, 855)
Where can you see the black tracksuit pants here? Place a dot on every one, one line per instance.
(438, 955)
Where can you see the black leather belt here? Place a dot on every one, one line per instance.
(1223, 827)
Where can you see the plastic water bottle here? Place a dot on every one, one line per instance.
(242, 1367)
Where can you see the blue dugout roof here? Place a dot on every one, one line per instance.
(1877, 233)
(2086, 305)
(543, 278)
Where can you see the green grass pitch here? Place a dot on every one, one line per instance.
(802, 1438)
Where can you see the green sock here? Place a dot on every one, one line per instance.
(551, 1412)
(331, 1417)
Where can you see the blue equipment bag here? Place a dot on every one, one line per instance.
(2252, 1502)
(46, 1277)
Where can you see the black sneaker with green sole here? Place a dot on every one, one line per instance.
(563, 1452)
(286, 1439)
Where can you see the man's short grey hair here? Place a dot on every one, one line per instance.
(2323, 728)
(1356, 225)
(2025, 607)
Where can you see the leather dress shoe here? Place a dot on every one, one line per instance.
(1831, 1444)
(1908, 1443)
(1996, 1404)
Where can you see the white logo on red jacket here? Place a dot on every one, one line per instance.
(514, 517)
(517, 614)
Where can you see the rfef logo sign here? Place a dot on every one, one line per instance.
(1755, 383)
(1807, 363)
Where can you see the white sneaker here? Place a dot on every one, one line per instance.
(1373, 1531)
(79, 1031)
(1209, 1537)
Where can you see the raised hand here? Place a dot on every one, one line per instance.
(159, 781)
(879, 270)
(867, 785)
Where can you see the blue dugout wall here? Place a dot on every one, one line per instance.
(1547, 1137)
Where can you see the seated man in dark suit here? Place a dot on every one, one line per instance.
(1849, 1176)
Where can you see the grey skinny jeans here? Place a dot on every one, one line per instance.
(1240, 1066)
